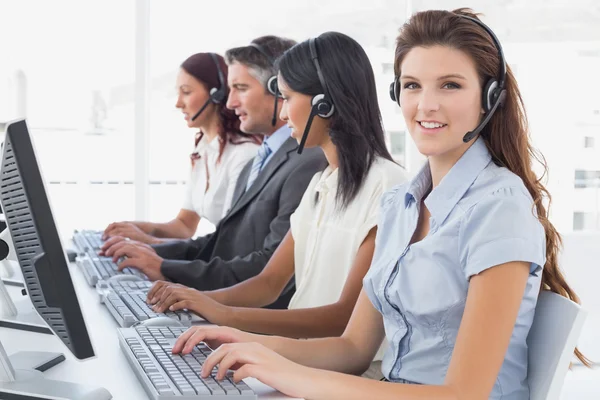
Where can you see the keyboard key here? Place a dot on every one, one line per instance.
(166, 391)
(188, 391)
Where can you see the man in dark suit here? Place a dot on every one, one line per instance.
(267, 192)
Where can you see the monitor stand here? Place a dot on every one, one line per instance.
(10, 273)
(20, 314)
(21, 377)
(17, 314)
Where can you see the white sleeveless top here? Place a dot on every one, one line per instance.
(326, 241)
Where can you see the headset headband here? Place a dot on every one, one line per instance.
(502, 72)
(219, 72)
(263, 51)
(312, 44)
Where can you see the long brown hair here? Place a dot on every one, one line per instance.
(203, 68)
(506, 135)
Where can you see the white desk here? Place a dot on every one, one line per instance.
(109, 369)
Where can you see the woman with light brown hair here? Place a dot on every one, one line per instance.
(462, 251)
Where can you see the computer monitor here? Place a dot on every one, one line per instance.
(45, 270)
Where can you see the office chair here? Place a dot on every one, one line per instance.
(551, 341)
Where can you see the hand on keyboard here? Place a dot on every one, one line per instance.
(168, 376)
(167, 296)
(140, 257)
(254, 360)
(213, 336)
(240, 351)
(109, 247)
(128, 230)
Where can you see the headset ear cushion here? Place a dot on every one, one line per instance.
(217, 95)
(324, 108)
(272, 85)
(395, 91)
(489, 94)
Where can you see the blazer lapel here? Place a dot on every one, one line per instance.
(280, 157)
(240, 187)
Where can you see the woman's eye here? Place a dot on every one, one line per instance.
(451, 85)
(410, 85)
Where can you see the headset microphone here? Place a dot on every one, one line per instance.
(274, 120)
(216, 95)
(470, 135)
(201, 109)
(311, 116)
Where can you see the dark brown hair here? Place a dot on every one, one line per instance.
(506, 135)
(203, 68)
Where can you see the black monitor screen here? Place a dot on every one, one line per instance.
(37, 243)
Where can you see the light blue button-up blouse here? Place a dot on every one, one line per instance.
(481, 216)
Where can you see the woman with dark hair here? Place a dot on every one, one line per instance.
(221, 151)
(330, 244)
(462, 250)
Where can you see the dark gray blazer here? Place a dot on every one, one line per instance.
(248, 235)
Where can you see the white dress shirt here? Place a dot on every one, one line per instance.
(211, 185)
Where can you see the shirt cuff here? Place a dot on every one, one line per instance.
(174, 269)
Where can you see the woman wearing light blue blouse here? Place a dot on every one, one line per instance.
(462, 250)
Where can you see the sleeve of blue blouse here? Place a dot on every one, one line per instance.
(501, 228)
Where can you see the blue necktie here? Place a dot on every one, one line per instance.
(257, 163)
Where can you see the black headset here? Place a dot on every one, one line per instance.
(321, 104)
(272, 81)
(493, 94)
(272, 87)
(216, 95)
